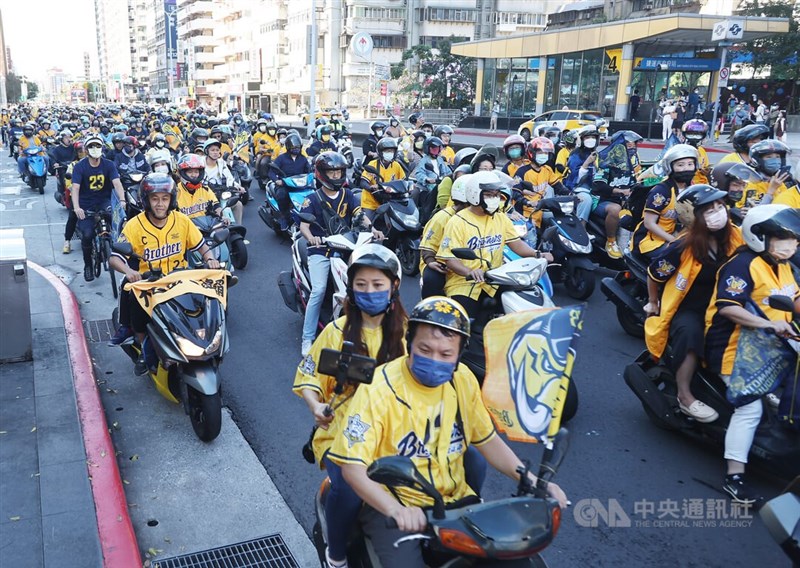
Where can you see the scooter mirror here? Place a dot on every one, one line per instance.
(782, 303)
(549, 232)
(381, 209)
(232, 200)
(464, 253)
(400, 471)
(307, 218)
(220, 235)
(125, 249)
(552, 458)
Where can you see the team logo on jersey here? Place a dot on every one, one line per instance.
(306, 203)
(307, 365)
(681, 282)
(411, 446)
(490, 242)
(163, 251)
(355, 430)
(429, 234)
(445, 243)
(457, 445)
(788, 290)
(659, 200)
(736, 285)
(664, 268)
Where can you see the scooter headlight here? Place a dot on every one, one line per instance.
(215, 343)
(409, 220)
(189, 349)
(521, 278)
(567, 207)
(572, 246)
(226, 195)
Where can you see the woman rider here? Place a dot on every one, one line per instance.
(680, 284)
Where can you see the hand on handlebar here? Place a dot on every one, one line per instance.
(378, 235)
(212, 263)
(781, 328)
(438, 267)
(547, 256)
(133, 275)
(477, 275)
(315, 241)
(409, 519)
(558, 494)
(321, 419)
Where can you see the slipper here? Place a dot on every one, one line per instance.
(699, 411)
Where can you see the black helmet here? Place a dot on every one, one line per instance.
(377, 125)
(293, 141)
(199, 133)
(417, 135)
(413, 118)
(443, 129)
(439, 311)
(374, 256)
(157, 183)
(464, 156)
(118, 138)
(434, 142)
(746, 134)
(387, 144)
(726, 172)
(28, 127)
(700, 195)
(326, 162)
(761, 149)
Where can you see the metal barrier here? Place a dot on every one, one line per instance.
(15, 309)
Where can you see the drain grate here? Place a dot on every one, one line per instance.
(98, 331)
(266, 552)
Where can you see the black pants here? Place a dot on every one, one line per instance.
(72, 222)
(432, 283)
(282, 197)
(473, 307)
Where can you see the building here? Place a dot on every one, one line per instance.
(138, 28)
(4, 67)
(198, 40)
(57, 86)
(114, 40)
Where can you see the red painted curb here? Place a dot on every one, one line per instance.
(117, 539)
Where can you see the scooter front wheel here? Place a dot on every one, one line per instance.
(580, 284)
(408, 257)
(205, 412)
(238, 254)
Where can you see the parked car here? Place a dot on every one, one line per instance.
(565, 120)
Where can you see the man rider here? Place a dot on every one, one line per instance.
(370, 146)
(428, 407)
(743, 140)
(27, 140)
(323, 142)
(14, 132)
(130, 159)
(388, 168)
(291, 163)
(92, 182)
(62, 154)
(337, 126)
(218, 173)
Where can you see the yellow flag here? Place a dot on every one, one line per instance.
(529, 358)
(207, 282)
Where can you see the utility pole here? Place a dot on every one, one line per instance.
(312, 99)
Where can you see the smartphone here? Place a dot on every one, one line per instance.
(785, 170)
(356, 368)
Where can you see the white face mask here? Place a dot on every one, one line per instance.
(492, 204)
(716, 219)
(161, 168)
(590, 143)
(541, 159)
(782, 249)
(160, 144)
(388, 156)
(95, 152)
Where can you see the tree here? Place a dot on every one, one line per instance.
(14, 88)
(447, 79)
(780, 53)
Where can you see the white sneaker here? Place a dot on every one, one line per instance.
(773, 400)
(305, 347)
(333, 563)
(246, 241)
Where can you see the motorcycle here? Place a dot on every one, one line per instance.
(344, 144)
(295, 285)
(236, 239)
(425, 195)
(521, 285)
(597, 228)
(15, 136)
(36, 173)
(627, 290)
(299, 187)
(185, 344)
(243, 176)
(130, 184)
(505, 532)
(209, 227)
(781, 516)
(60, 172)
(570, 246)
(775, 448)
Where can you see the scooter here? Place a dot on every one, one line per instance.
(185, 344)
(627, 289)
(506, 532)
(570, 246)
(210, 227)
(299, 187)
(130, 184)
(36, 174)
(775, 448)
(520, 286)
(243, 176)
(295, 285)
(344, 144)
(781, 516)
(236, 233)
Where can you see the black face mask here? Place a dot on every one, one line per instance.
(683, 177)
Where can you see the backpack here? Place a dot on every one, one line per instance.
(331, 222)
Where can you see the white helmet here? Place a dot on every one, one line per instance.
(162, 155)
(678, 152)
(479, 182)
(459, 190)
(770, 220)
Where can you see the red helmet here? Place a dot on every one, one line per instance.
(192, 162)
(157, 183)
(540, 144)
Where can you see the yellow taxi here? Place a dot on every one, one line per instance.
(565, 119)
(326, 113)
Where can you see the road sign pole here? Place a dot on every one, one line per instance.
(369, 90)
(312, 71)
(717, 102)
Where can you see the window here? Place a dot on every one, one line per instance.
(520, 19)
(446, 15)
(558, 115)
(370, 13)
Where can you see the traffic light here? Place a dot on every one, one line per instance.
(384, 88)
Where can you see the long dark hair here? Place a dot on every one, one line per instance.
(698, 238)
(393, 326)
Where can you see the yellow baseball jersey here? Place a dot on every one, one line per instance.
(389, 173)
(396, 415)
(561, 160)
(307, 377)
(165, 247)
(449, 155)
(542, 182)
(735, 158)
(25, 142)
(271, 146)
(790, 197)
(45, 134)
(702, 164)
(197, 204)
(511, 168)
(434, 231)
(755, 191)
(486, 235)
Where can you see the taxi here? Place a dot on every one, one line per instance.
(564, 119)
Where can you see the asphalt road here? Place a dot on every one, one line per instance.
(638, 492)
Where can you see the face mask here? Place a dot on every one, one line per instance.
(373, 303)
(95, 152)
(683, 177)
(262, 128)
(326, 137)
(515, 153)
(771, 166)
(378, 133)
(388, 156)
(272, 132)
(128, 150)
(430, 372)
(295, 151)
(782, 249)
(161, 169)
(716, 219)
(590, 143)
(282, 139)
(428, 133)
(631, 151)
(418, 144)
(492, 204)
(541, 159)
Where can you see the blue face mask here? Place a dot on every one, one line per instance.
(373, 303)
(514, 153)
(771, 166)
(431, 372)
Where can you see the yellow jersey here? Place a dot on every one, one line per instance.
(735, 158)
(271, 145)
(25, 142)
(391, 172)
(396, 415)
(198, 204)
(702, 164)
(790, 196)
(434, 231)
(542, 182)
(164, 247)
(661, 201)
(449, 155)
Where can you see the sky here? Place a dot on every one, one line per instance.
(60, 30)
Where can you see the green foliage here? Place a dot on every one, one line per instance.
(14, 88)
(778, 51)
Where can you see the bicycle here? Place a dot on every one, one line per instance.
(101, 247)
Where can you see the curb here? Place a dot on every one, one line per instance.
(114, 527)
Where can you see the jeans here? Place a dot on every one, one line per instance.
(341, 511)
(86, 231)
(319, 267)
(742, 429)
(585, 203)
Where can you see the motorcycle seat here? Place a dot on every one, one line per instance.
(638, 261)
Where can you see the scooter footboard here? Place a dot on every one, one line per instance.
(202, 376)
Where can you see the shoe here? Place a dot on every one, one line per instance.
(67, 248)
(773, 400)
(330, 563)
(699, 411)
(612, 249)
(88, 273)
(123, 333)
(284, 224)
(305, 347)
(740, 491)
(246, 241)
(140, 367)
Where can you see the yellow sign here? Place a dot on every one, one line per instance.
(613, 60)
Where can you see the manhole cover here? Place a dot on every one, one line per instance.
(266, 552)
(98, 331)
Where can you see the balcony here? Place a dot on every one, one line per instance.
(208, 57)
(203, 41)
(207, 75)
(186, 10)
(199, 24)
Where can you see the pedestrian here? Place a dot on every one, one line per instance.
(669, 113)
(636, 100)
(772, 117)
(495, 114)
(761, 112)
(780, 126)
(738, 118)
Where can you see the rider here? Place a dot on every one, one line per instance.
(695, 131)
(291, 163)
(733, 177)
(194, 198)
(161, 161)
(582, 165)
(62, 154)
(337, 126)
(218, 173)
(743, 140)
(660, 219)
(14, 132)
(375, 323)
(92, 182)
(72, 219)
(160, 236)
(388, 167)
(218, 134)
(333, 206)
(445, 134)
(130, 159)
(771, 233)
(768, 157)
(514, 149)
(28, 139)
(323, 142)
(268, 133)
(432, 271)
(477, 227)
(431, 405)
(539, 181)
(370, 146)
(432, 167)
(680, 284)
(46, 132)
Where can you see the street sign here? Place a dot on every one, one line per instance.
(728, 30)
(362, 44)
(724, 73)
